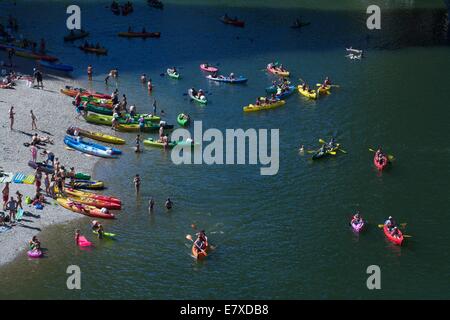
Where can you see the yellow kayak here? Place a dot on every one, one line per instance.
(306, 93)
(323, 90)
(101, 137)
(273, 105)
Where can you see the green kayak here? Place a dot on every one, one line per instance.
(155, 143)
(99, 110)
(106, 234)
(107, 120)
(173, 74)
(182, 121)
(82, 176)
(202, 100)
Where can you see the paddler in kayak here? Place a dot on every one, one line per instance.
(98, 227)
(356, 218)
(34, 244)
(202, 242)
(395, 232)
(326, 82)
(390, 223)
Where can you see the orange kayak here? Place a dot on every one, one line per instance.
(198, 254)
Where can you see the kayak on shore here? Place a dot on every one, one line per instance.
(95, 135)
(91, 148)
(106, 120)
(72, 92)
(239, 79)
(86, 210)
(79, 193)
(263, 105)
(97, 203)
(86, 184)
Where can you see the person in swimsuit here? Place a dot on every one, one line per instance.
(168, 204)
(137, 182)
(5, 193)
(11, 118)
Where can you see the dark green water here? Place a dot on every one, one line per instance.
(283, 236)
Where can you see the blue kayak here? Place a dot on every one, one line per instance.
(286, 93)
(91, 148)
(240, 79)
(56, 66)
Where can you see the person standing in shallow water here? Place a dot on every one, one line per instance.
(151, 204)
(168, 204)
(89, 72)
(137, 183)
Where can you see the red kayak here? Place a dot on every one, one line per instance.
(208, 68)
(380, 164)
(397, 239)
(234, 22)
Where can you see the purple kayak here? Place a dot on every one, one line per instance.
(357, 227)
(34, 253)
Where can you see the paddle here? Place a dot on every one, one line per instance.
(390, 157)
(323, 142)
(189, 237)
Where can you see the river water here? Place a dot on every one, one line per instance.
(278, 237)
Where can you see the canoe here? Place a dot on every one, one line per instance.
(207, 68)
(106, 234)
(86, 184)
(233, 22)
(155, 143)
(78, 193)
(149, 127)
(72, 92)
(272, 105)
(98, 51)
(182, 121)
(198, 254)
(172, 74)
(311, 95)
(47, 168)
(143, 35)
(90, 147)
(85, 147)
(239, 79)
(56, 66)
(397, 240)
(89, 211)
(97, 203)
(83, 242)
(286, 93)
(76, 36)
(34, 253)
(380, 165)
(106, 120)
(357, 227)
(97, 136)
(272, 69)
(319, 154)
(203, 101)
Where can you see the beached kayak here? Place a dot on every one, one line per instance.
(198, 254)
(208, 68)
(264, 106)
(105, 110)
(72, 92)
(91, 148)
(148, 127)
(96, 136)
(34, 253)
(78, 193)
(173, 74)
(382, 164)
(273, 68)
(56, 66)
(97, 203)
(106, 120)
(86, 184)
(357, 227)
(202, 99)
(47, 168)
(397, 240)
(240, 79)
(106, 234)
(182, 121)
(89, 211)
(311, 95)
(285, 93)
(105, 103)
(99, 51)
(76, 36)
(143, 35)
(234, 22)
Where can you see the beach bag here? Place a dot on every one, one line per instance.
(39, 206)
(28, 200)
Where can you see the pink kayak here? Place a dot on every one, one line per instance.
(83, 242)
(34, 253)
(208, 68)
(357, 227)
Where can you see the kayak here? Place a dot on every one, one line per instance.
(107, 111)
(357, 227)
(183, 121)
(99, 102)
(91, 148)
(97, 136)
(198, 254)
(42, 166)
(148, 127)
(78, 193)
(208, 68)
(234, 22)
(173, 74)
(397, 240)
(106, 120)
(155, 143)
(89, 211)
(286, 93)
(323, 90)
(143, 35)
(271, 67)
(76, 36)
(320, 154)
(271, 105)
(240, 79)
(86, 184)
(83, 242)
(97, 203)
(34, 253)
(299, 25)
(115, 10)
(202, 100)
(380, 165)
(94, 50)
(155, 4)
(82, 176)
(106, 234)
(311, 95)
(56, 66)
(72, 92)
(28, 54)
